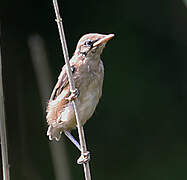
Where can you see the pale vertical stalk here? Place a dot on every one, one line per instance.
(42, 70)
(3, 137)
(72, 88)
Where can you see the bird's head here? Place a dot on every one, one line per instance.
(92, 44)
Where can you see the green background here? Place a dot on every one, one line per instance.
(138, 131)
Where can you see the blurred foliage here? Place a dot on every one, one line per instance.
(139, 128)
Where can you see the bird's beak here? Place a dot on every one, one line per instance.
(103, 40)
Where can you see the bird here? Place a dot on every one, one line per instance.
(88, 74)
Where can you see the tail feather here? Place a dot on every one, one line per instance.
(54, 132)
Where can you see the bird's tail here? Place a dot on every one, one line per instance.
(54, 132)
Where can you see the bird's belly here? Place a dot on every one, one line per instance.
(88, 102)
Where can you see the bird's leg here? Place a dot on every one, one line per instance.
(72, 139)
(85, 157)
(74, 94)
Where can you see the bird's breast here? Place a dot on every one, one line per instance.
(90, 91)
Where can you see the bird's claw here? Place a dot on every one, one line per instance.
(74, 94)
(84, 158)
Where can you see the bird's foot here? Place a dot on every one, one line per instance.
(74, 94)
(84, 158)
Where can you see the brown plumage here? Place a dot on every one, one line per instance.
(88, 74)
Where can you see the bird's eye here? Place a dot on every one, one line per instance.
(88, 42)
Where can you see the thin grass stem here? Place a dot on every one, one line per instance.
(72, 89)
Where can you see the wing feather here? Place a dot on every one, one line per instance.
(61, 83)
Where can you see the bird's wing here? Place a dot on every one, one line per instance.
(61, 83)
